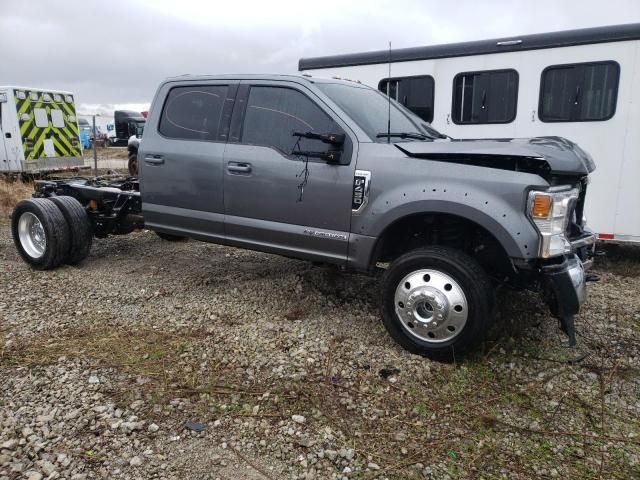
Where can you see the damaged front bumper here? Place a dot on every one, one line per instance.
(565, 286)
(564, 283)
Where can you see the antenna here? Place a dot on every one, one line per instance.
(389, 99)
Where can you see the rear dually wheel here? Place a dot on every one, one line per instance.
(40, 233)
(79, 228)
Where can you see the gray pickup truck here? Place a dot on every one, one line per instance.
(332, 171)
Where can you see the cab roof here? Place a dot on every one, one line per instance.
(304, 78)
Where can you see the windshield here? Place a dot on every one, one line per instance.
(369, 108)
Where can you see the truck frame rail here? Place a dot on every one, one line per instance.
(113, 203)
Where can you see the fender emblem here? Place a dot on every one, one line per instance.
(361, 184)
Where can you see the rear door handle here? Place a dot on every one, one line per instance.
(239, 167)
(153, 159)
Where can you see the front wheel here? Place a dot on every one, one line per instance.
(437, 302)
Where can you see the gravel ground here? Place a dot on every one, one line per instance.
(188, 360)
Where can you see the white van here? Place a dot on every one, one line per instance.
(580, 84)
(38, 130)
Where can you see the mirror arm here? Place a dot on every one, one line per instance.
(331, 156)
(330, 138)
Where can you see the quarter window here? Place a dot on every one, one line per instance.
(274, 113)
(415, 93)
(485, 97)
(582, 92)
(193, 112)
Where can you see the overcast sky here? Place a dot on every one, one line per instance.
(115, 52)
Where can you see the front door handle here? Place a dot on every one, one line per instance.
(153, 159)
(239, 167)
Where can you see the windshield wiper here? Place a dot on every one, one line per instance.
(413, 135)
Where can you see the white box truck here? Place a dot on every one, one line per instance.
(38, 130)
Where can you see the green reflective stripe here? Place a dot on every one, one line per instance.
(65, 142)
(24, 126)
(57, 148)
(39, 142)
(70, 109)
(24, 105)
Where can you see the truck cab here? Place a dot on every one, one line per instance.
(126, 124)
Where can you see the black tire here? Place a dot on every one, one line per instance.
(79, 227)
(132, 165)
(54, 229)
(171, 238)
(469, 278)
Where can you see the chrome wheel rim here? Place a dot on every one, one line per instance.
(31, 235)
(431, 306)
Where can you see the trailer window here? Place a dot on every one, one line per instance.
(274, 113)
(581, 92)
(193, 112)
(489, 96)
(415, 93)
(42, 120)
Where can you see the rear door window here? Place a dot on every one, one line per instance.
(193, 112)
(581, 92)
(274, 113)
(57, 118)
(415, 93)
(489, 96)
(42, 119)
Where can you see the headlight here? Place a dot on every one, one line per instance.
(550, 211)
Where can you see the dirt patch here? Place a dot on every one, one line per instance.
(11, 192)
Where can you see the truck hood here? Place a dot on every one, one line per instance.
(545, 156)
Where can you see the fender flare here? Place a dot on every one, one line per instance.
(521, 243)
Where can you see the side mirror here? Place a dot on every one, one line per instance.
(3, 98)
(335, 141)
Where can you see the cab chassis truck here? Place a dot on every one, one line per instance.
(332, 171)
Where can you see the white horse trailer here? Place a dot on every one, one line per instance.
(580, 84)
